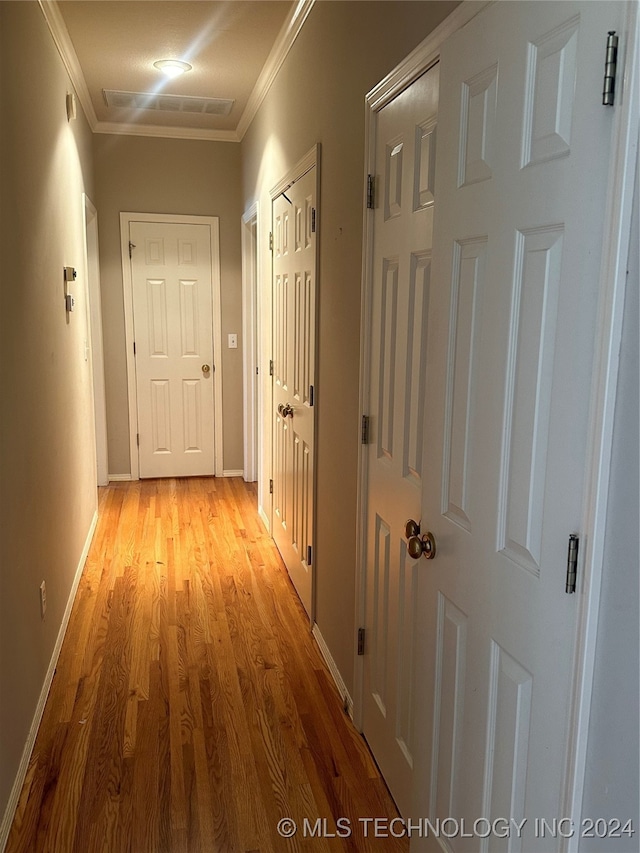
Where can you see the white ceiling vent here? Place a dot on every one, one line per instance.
(167, 103)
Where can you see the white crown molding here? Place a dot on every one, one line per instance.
(60, 34)
(165, 132)
(286, 37)
(283, 44)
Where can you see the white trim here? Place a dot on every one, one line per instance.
(235, 472)
(283, 44)
(250, 277)
(615, 253)
(333, 669)
(122, 129)
(120, 478)
(279, 52)
(612, 286)
(60, 35)
(92, 267)
(265, 518)
(310, 159)
(14, 796)
(214, 225)
(424, 55)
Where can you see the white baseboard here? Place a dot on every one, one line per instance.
(265, 518)
(235, 473)
(120, 478)
(10, 811)
(333, 669)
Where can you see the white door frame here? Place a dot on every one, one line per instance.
(214, 226)
(603, 392)
(92, 267)
(250, 349)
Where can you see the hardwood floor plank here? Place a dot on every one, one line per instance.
(146, 771)
(191, 709)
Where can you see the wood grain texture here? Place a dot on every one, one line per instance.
(190, 709)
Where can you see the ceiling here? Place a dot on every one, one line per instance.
(235, 47)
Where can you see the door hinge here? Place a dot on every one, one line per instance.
(364, 434)
(138, 439)
(271, 241)
(309, 555)
(311, 395)
(313, 220)
(134, 347)
(610, 62)
(572, 563)
(131, 247)
(270, 487)
(370, 192)
(270, 367)
(360, 641)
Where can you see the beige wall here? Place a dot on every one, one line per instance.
(344, 49)
(47, 455)
(147, 175)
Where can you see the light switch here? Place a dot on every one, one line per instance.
(233, 342)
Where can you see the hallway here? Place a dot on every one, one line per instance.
(191, 709)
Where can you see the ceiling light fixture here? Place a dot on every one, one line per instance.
(172, 67)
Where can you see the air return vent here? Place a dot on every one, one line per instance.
(167, 103)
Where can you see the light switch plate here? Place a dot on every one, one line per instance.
(233, 342)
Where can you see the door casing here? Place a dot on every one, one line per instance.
(214, 225)
(92, 266)
(250, 344)
(603, 392)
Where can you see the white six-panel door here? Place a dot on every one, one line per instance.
(294, 311)
(171, 274)
(401, 283)
(524, 144)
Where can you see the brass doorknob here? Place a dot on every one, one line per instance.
(206, 369)
(424, 546)
(411, 528)
(286, 410)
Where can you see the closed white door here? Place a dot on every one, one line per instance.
(523, 156)
(171, 270)
(294, 303)
(401, 283)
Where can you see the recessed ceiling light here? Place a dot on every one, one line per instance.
(172, 67)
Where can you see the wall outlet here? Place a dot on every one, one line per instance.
(43, 598)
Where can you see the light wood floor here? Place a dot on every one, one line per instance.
(191, 710)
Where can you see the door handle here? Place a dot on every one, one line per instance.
(419, 546)
(411, 528)
(286, 410)
(206, 369)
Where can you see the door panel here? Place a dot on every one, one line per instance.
(294, 307)
(173, 328)
(521, 186)
(403, 219)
